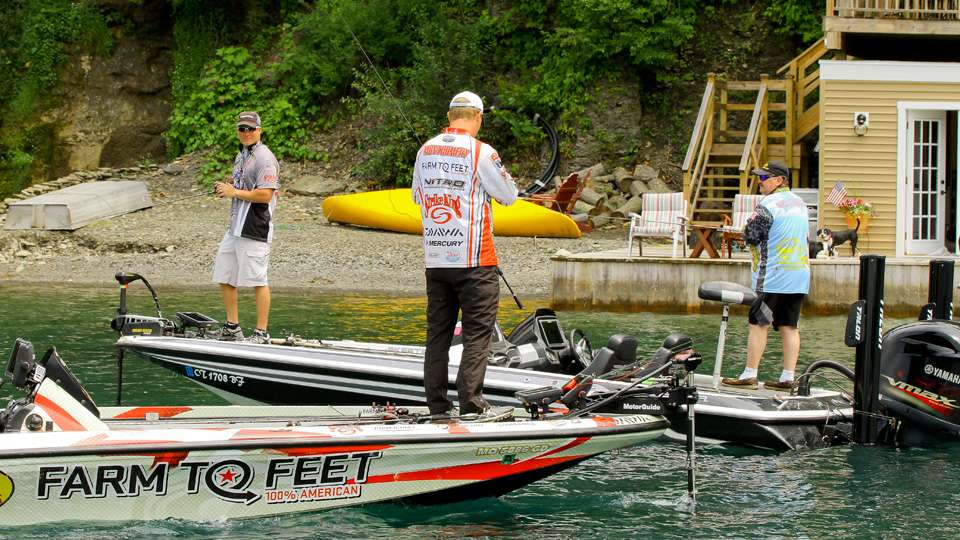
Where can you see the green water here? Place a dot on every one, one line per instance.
(837, 492)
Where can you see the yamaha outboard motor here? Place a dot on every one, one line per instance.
(920, 381)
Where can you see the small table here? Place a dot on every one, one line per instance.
(703, 234)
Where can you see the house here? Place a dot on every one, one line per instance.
(873, 105)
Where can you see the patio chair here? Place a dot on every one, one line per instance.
(732, 228)
(662, 215)
(567, 195)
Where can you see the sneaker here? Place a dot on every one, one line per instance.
(227, 334)
(258, 336)
(779, 385)
(746, 384)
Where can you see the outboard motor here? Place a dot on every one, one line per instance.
(920, 381)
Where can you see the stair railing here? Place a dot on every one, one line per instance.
(755, 147)
(803, 114)
(698, 151)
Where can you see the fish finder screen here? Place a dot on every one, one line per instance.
(551, 332)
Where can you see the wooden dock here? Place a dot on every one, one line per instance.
(613, 281)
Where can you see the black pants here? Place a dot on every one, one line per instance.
(475, 292)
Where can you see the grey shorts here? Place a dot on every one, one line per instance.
(241, 262)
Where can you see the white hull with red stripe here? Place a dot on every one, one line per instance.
(214, 463)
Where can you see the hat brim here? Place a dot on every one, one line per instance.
(764, 172)
(248, 124)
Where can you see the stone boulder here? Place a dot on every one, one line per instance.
(317, 186)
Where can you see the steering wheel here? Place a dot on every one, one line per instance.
(580, 344)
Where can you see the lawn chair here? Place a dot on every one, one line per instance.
(732, 229)
(662, 215)
(567, 195)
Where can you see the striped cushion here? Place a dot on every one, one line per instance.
(743, 207)
(661, 214)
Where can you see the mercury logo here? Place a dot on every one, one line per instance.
(6, 488)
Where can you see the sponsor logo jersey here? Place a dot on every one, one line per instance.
(454, 179)
(254, 167)
(781, 262)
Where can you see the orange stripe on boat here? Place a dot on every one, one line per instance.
(472, 471)
(316, 451)
(64, 420)
(162, 412)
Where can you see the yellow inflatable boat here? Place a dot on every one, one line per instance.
(393, 210)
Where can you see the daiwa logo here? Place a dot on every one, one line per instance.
(942, 374)
(6, 488)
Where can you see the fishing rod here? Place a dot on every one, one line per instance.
(507, 283)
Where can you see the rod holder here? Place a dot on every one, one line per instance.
(940, 292)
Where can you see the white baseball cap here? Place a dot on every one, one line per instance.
(467, 99)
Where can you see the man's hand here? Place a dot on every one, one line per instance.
(224, 189)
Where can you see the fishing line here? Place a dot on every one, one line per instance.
(382, 82)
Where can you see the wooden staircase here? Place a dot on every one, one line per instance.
(734, 133)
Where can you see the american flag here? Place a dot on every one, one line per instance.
(838, 194)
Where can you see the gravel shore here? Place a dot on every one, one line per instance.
(174, 242)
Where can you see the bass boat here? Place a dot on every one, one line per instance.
(64, 459)
(538, 352)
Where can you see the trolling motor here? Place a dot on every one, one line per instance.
(672, 388)
(127, 324)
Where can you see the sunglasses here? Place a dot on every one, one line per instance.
(245, 129)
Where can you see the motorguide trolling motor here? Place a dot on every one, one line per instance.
(670, 371)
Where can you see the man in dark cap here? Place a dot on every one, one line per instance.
(777, 236)
(244, 252)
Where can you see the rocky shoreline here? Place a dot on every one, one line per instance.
(173, 243)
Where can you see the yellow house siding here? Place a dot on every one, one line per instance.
(867, 165)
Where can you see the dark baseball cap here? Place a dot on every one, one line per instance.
(248, 118)
(773, 168)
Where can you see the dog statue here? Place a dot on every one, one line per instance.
(831, 239)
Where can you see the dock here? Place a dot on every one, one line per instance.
(613, 281)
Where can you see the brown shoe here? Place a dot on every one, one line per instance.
(785, 386)
(746, 384)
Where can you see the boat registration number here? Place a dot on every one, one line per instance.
(213, 376)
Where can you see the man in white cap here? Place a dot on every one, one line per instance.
(454, 179)
(244, 252)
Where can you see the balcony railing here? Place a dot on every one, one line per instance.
(895, 9)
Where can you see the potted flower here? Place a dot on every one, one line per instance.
(855, 209)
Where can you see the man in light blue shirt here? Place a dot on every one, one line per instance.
(777, 236)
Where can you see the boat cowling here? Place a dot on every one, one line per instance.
(55, 399)
(920, 377)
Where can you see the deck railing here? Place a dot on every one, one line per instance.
(695, 162)
(904, 9)
(755, 147)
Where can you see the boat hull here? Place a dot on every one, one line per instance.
(201, 471)
(350, 375)
(394, 210)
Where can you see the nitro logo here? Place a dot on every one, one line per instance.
(115, 480)
(445, 182)
(941, 374)
(228, 480)
(930, 398)
(442, 208)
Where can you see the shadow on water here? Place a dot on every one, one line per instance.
(837, 492)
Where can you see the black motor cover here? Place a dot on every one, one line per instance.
(920, 369)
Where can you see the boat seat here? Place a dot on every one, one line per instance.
(727, 292)
(624, 349)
